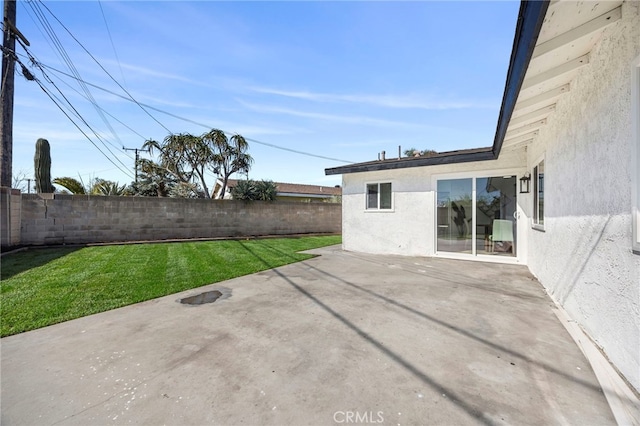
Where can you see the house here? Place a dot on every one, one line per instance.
(559, 189)
(290, 192)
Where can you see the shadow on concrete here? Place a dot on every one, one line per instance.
(472, 411)
(456, 278)
(451, 327)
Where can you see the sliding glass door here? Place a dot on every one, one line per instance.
(477, 216)
(454, 215)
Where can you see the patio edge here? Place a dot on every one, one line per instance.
(624, 403)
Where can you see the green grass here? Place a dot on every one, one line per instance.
(41, 287)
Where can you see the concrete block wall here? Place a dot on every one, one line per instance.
(78, 219)
(10, 213)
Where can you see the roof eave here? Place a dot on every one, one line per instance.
(482, 155)
(530, 19)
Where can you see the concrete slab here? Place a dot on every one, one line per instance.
(343, 338)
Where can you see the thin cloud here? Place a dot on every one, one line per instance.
(212, 81)
(366, 144)
(350, 119)
(268, 131)
(257, 130)
(388, 101)
(63, 137)
(153, 73)
(157, 101)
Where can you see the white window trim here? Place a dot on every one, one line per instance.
(534, 188)
(635, 166)
(379, 210)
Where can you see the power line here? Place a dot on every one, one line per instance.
(115, 52)
(76, 76)
(206, 126)
(56, 101)
(63, 55)
(74, 110)
(105, 71)
(131, 129)
(59, 48)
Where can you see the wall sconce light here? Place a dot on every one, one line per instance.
(525, 182)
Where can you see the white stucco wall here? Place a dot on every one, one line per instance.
(409, 228)
(584, 257)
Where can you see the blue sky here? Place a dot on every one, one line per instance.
(343, 80)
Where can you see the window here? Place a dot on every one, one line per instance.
(538, 195)
(379, 196)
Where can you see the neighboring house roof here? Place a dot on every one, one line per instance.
(530, 19)
(298, 190)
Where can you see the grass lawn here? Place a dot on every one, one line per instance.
(41, 287)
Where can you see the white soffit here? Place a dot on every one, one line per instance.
(526, 128)
(568, 34)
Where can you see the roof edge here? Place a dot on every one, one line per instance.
(530, 19)
(463, 156)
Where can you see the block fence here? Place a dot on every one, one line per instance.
(80, 219)
(9, 216)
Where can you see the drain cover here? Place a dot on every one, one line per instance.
(199, 299)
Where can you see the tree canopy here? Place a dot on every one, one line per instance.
(229, 155)
(261, 190)
(412, 152)
(96, 186)
(184, 158)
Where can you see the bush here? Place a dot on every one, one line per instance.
(262, 190)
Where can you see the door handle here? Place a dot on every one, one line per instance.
(516, 215)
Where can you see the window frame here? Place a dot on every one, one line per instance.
(635, 166)
(379, 197)
(537, 220)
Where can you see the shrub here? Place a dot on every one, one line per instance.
(263, 190)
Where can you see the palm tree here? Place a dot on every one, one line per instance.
(229, 155)
(266, 190)
(96, 186)
(261, 190)
(107, 187)
(173, 154)
(244, 190)
(72, 185)
(185, 156)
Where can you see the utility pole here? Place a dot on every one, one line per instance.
(137, 151)
(10, 33)
(6, 95)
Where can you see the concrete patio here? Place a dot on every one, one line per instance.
(338, 339)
